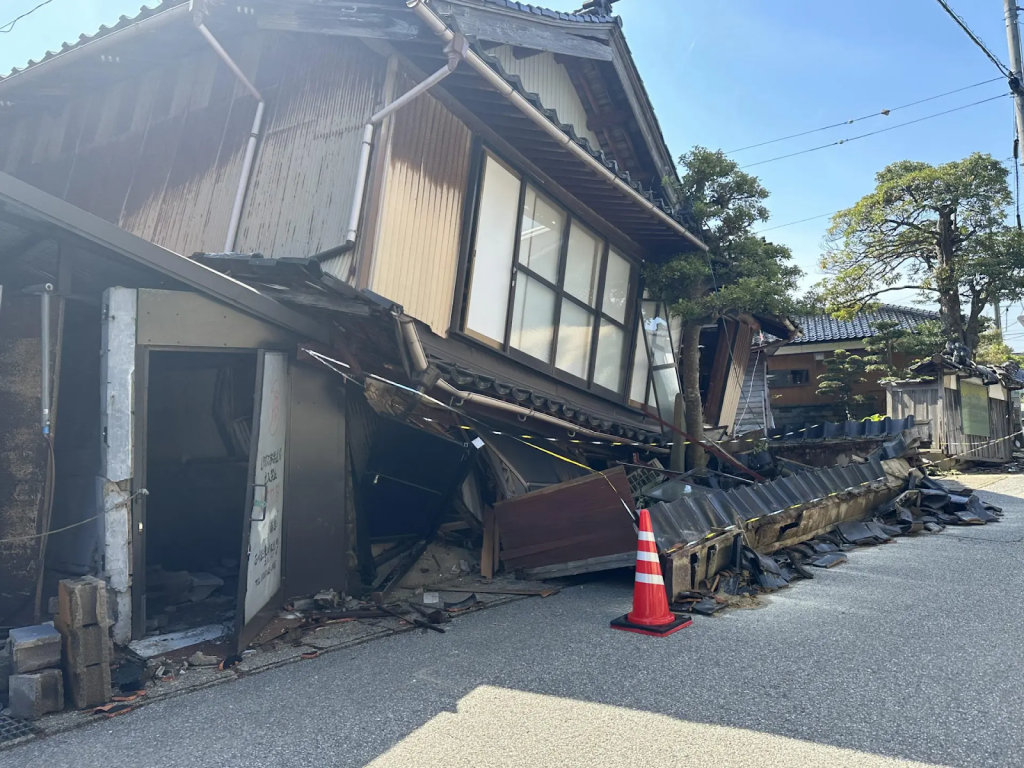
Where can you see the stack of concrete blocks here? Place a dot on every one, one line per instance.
(36, 683)
(85, 628)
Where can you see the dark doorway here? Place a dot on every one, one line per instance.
(198, 432)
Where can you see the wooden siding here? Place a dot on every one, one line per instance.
(160, 154)
(417, 253)
(973, 447)
(737, 371)
(920, 401)
(543, 75)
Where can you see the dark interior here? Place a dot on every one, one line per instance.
(199, 423)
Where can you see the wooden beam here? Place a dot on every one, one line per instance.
(520, 52)
(606, 119)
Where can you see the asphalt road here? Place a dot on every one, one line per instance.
(908, 654)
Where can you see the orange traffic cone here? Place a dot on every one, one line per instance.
(650, 614)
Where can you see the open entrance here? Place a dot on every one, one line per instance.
(199, 424)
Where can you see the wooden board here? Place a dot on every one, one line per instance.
(577, 520)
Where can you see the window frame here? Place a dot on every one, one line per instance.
(628, 327)
(772, 384)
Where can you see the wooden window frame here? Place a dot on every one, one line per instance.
(633, 318)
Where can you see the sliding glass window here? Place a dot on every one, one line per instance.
(544, 287)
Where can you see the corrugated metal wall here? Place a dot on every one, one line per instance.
(417, 253)
(544, 76)
(753, 412)
(160, 154)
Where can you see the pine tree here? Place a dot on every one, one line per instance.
(843, 371)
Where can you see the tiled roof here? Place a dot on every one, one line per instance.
(125, 21)
(823, 328)
(594, 18)
(157, 6)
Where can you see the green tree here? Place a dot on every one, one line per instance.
(741, 272)
(940, 230)
(992, 350)
(843, 372)
(883, 347)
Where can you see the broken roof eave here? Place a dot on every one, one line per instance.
(34, 205)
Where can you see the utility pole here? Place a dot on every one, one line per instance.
(1013, 41)
(1016, 87)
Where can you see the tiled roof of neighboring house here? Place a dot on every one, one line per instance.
(825, 328)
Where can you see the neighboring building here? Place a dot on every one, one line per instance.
(794, 370)
(964, 411)
(482, 241)
(734, 359)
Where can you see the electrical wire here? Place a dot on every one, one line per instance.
(975, 39)
(883, 113)
(874, 133)
(791, 223)
(5, 28)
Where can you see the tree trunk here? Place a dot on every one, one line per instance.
(946, 280)
(697, 457)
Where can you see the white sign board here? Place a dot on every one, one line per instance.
(264, 567)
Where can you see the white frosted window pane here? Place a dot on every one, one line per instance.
(616, 286)
(575, 331)
(666, 384)
(583, 264)
(609, 369)
(541, 236)
(494, 249)
(533, 318)
(641, 366)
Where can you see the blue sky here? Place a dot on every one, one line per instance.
(728, 73)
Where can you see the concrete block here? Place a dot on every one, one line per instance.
(89, 686)
(82, 602)
(36, 694)
(85, 646)
(33, 648)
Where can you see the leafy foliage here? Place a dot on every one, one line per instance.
(740, 273)
(893, 349)
(992, 350)
(843, 371)
(940, 230)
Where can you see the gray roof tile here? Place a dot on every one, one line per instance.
(823, 328)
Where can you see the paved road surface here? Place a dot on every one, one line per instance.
(911, 652)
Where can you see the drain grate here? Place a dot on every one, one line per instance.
(12, 728)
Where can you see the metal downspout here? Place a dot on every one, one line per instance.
(439, 28)
(456, 51)
(254, 134)
(418, 358)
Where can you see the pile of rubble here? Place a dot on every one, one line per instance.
(925, 505)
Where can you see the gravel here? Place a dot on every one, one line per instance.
(910, 652)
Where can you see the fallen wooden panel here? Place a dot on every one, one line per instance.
(589, 517)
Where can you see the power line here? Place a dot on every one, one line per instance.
(884, 112)
(791, 223)
(873, 133)
(5, 28)
(975, 39)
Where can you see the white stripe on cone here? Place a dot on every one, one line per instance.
(646, 536)
(648, 557)
(650, 578)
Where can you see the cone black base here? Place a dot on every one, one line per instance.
(663, 630)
